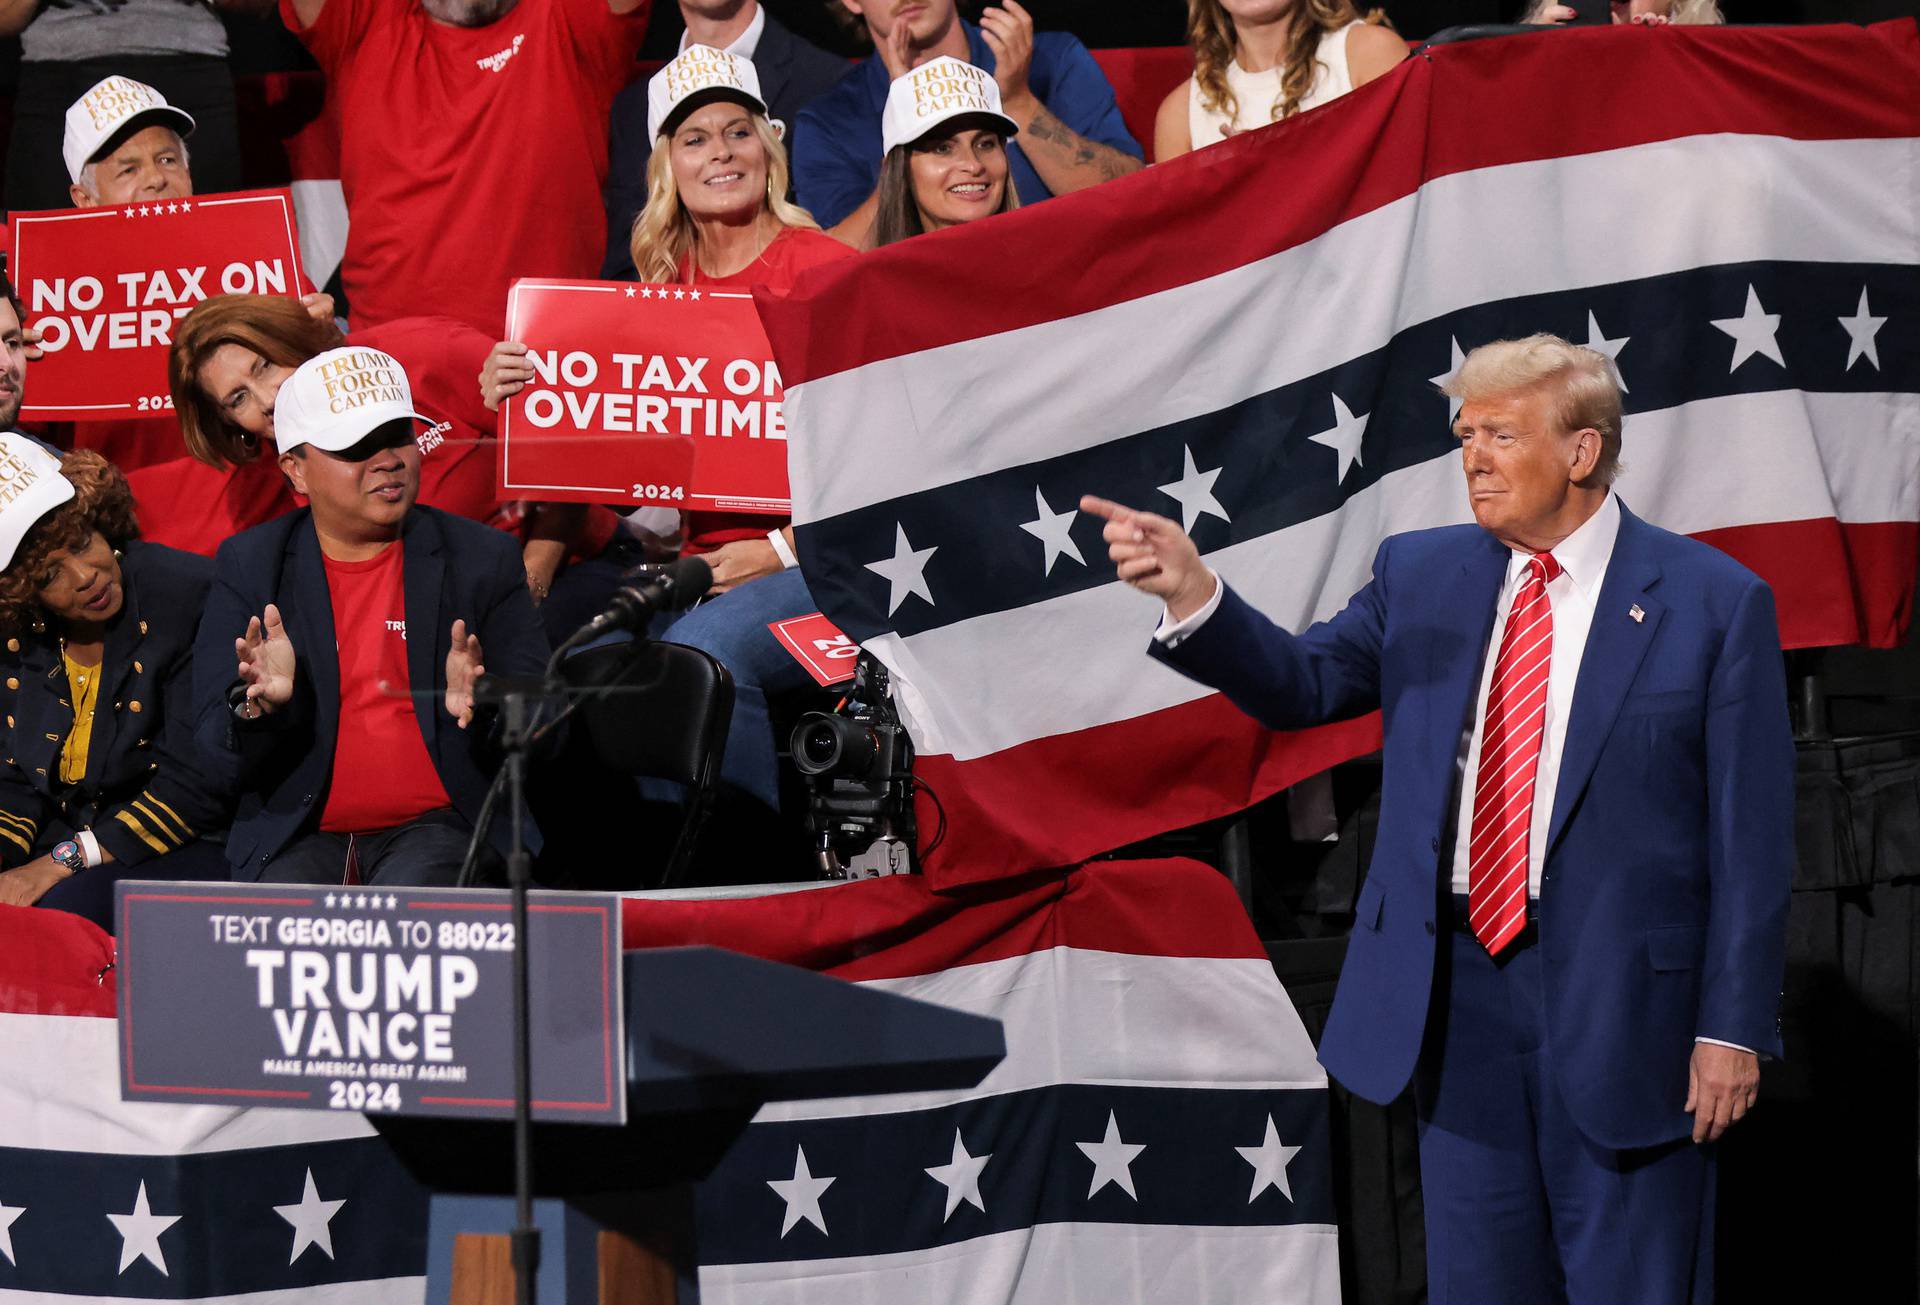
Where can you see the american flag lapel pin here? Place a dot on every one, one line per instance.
(1636, 613)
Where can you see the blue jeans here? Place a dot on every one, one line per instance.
(733, 628)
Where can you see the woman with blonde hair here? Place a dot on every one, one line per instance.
(1258, 61)
(717, 215)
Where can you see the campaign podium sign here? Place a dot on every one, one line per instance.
(104, 287)
(385, 1001)
(644, 395)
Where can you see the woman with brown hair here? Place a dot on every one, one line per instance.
(1258, 61)
(100, 779)
(944, 165)
(229, 358)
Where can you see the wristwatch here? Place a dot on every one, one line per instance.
(70, 855)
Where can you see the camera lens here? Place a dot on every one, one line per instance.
(832, 745)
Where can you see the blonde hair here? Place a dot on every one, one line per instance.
(1585, 384)
(1210, 33)
(664, 235)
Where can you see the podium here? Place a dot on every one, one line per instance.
(711, 1036)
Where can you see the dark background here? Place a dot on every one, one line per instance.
(262, 45)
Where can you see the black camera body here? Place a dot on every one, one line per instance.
(858, 762)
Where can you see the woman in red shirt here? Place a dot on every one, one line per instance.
(717, 215)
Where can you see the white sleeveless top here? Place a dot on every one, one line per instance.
(1256, 94)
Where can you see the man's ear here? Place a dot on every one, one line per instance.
(294, 468)
(81, 199)
(858, 8)
(1586, 453)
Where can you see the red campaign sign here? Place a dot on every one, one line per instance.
(105, 286)
(644, 394)
(817, 644)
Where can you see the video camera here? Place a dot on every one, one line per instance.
(858, 762)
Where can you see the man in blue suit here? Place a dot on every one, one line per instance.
(1572, 934)
(335, 663)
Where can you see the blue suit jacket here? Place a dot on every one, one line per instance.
(1663, 898)
(281, 765)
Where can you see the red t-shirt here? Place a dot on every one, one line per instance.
(188, 505)
(382, 774)
(791, 252)
(442, 359)
(469, 155)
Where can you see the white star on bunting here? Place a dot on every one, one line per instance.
(905, 572)
(1861, 329)
(9, 1213)
(310, 1219)
(140, 1233)
(1753, 332)
(801, 1193)
(1112, 1160)
(1194, 493)
(1598, 342)
(961, 1177)
(1051, 528)
(1269, 1160)
(1344, 437)
(1454, 359)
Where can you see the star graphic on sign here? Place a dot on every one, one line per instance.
(1343, 437)
(961, 1177)
(631, 292)
(1194, 492)
(1454, 359)
(392, 902)
(1861, 329)
(1269, 1160)
(329, 899)
(693, 294)
(1753, 332)
(1051, 528)
(186, 206)
(802, 1194)
(9, 1213)
(646, 292)
(1112, 1159)
(128, 212)
(173, 208)
(140, 1233)
(1598, 342)
(905, 572)
(679, 294)
(310, 1218)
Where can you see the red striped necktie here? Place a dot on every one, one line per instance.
(1510, 740)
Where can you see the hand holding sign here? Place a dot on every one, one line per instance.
(504, 374)
(266, 663)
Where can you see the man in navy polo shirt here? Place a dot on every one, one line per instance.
(1071, 133)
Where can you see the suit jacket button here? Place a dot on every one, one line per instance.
(1430, 930)
(12, 682)
(134, 706)
(138, 668)
(13, 645)
(1436, 844)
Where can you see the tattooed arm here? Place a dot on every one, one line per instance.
(1064, 158)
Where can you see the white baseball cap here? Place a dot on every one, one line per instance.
(336, 399)
(30, 487)
(700, 73)
(937, 92)
(100, 115)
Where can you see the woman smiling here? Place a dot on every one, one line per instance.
(946, 158)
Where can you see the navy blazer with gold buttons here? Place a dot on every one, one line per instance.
(146, 790)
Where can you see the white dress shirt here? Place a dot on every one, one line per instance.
(1583, 557)
(747, 42)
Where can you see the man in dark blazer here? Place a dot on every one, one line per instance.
(335, 665)
(1571, 938)
(792, 71)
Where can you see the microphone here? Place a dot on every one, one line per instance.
(663, 589)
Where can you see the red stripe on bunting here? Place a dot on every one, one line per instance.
(901, 926)
(1042, 802)
(1446, 111)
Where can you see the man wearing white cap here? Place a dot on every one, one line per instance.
(354, 748)
(124, 143)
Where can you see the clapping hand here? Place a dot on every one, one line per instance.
(896, 49)
(464, 669)
(1008, 30)
(266, 663)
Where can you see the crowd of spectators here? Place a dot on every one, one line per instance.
(264, 715)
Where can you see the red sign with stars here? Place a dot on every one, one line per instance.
(661, 396)
(104, 287)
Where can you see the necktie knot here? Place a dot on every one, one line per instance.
(1544, 567)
